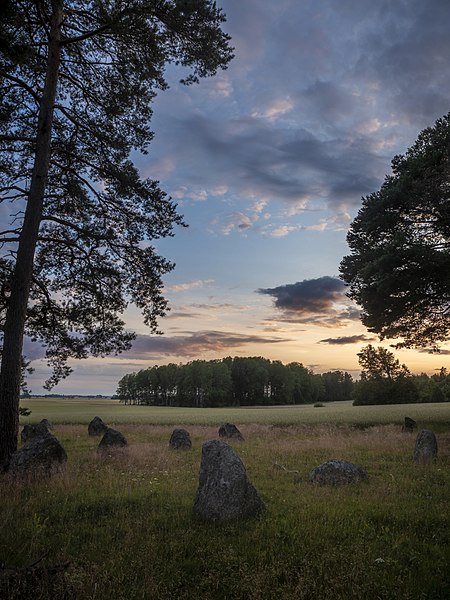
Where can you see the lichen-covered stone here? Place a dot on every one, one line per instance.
(180, 440)
(111, 440)
(97, 427)
(33, 431)
(409, 425)
(224, 492)
(39, 455)
(230, 431)
(337, 472)
(426, 447)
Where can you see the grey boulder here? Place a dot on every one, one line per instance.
(230, 431)
(180, 440)
(224, 492)
(33, 431)
(409, 425)
(112, 439)
(39, 455)
(97, 427)
(337, 472)
(426, 447)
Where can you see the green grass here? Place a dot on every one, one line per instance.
(82, 410)
(125, 522)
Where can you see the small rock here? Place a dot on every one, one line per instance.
(337, 472)
(33, 431)
(97, 427)
(224, 492)
(409, 425)
(39, 455)
(180, 440)
(228, 430)
(426, 447)
(111, 439)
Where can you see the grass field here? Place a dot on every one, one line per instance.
(125, 525)
(82, 410)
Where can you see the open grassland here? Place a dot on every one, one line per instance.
(82, 410)
(125, 522)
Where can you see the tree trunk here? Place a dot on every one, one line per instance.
(11, 368)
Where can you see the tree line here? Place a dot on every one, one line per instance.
(251, 381)
(257, 381)
(385, 381)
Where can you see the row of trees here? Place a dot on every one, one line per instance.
(257, 381)
(385, 381)
(232, 382)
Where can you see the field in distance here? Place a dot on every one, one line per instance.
(80, 410)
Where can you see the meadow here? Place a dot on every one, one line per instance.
(124, 523)
(78, 410)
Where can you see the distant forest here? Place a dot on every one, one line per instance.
(257, 381)
(253, 381)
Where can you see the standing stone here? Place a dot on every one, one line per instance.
(97, 427)
(337, 472)
(409, 425)
(180, 440)
(228, 430)
(111, 440)
(224, 492)
(33, 431)
(426, 448)
(39, 455)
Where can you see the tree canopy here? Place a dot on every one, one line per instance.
(238, 381)
(383, 379)
(399, 267)
(78, 79)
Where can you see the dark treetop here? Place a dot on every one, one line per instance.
(399, 266)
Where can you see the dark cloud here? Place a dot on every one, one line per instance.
(253, 156)
(350, 339)
(442, 352)
(321, 302)
(311, 296)
(192, 344)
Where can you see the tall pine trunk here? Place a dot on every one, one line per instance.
(11, 368)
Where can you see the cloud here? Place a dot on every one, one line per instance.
(350, 339)
(311, 110)
(193, 344)
(189, 285)
(32, 350)
(310, 296)
(441, 352)
(321, 302)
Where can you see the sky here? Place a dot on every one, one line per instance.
(268, 162)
